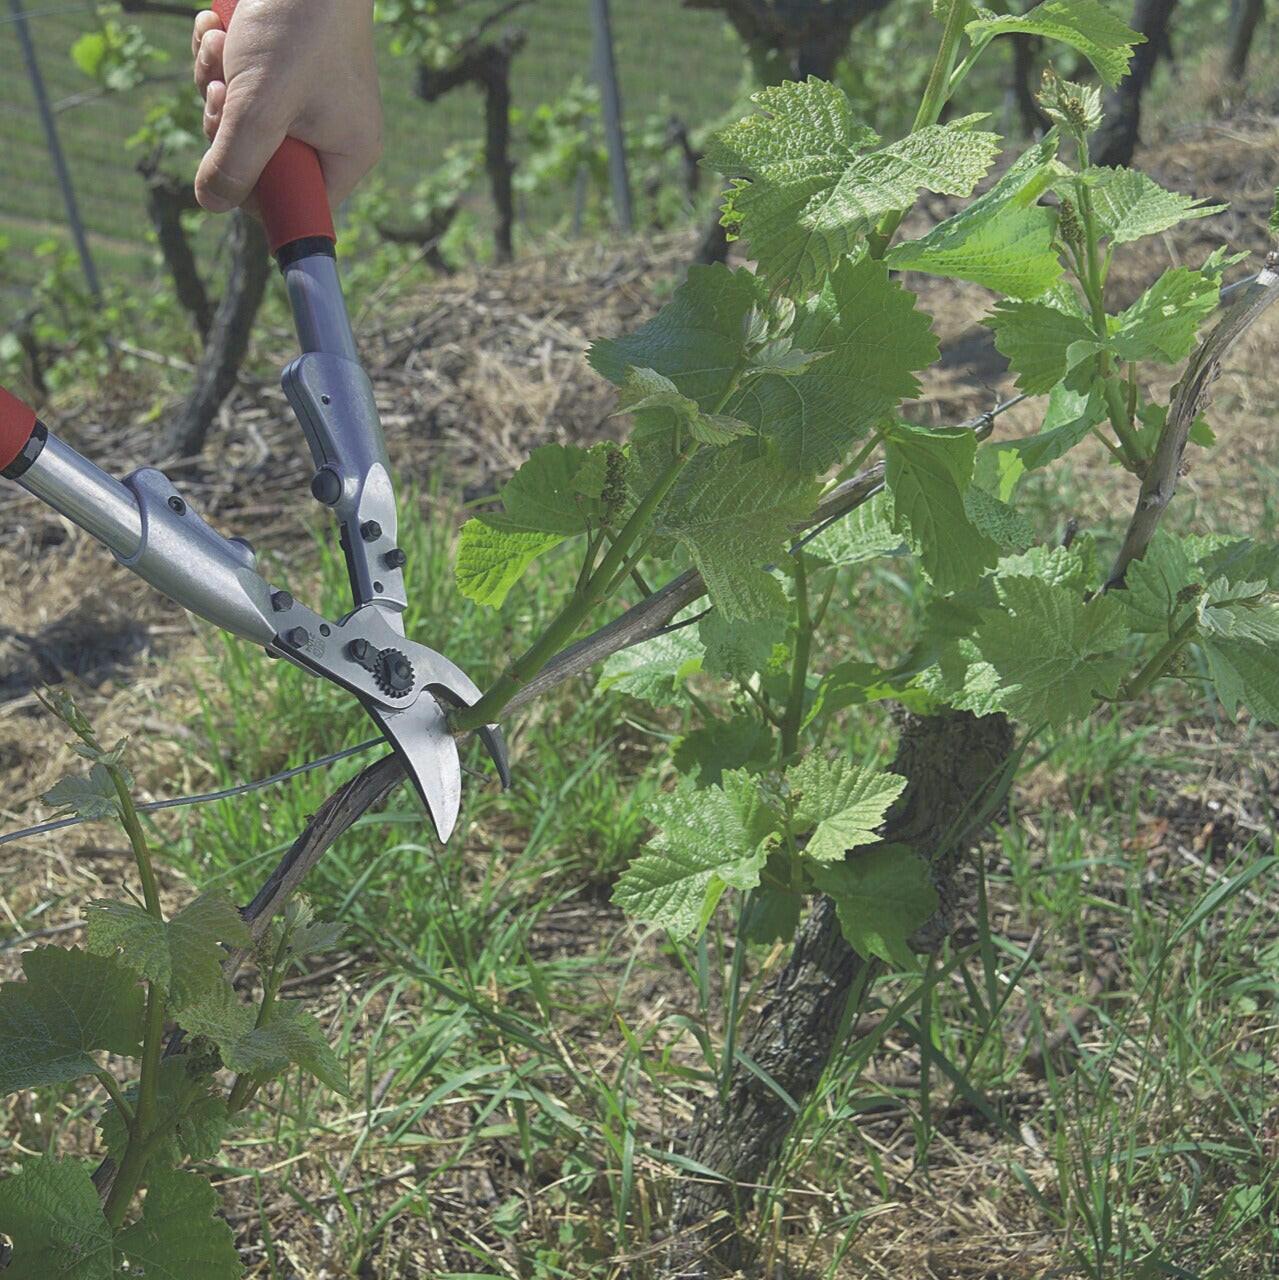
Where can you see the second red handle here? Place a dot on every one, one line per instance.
(291, 191)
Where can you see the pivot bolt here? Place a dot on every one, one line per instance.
(370, 531)
(281, 601)
(395, 559)
(359, 650)
(177, 506)
(299, 637)
(326, 486)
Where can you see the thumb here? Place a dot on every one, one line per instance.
(248, 136)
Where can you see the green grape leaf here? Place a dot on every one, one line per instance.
(52, 1214)
(735, 516)
(1245, 611)
(655, 670)
(1068, 421)
(659, 406)
(1129, 205)
(962, 679)
(1240, 560)
(807, 188)
(1084, 25)
(71, 1006)
(928, 472)
(718, 428)
(490, 561)
(1002, 524)
(882, 896)
(1155, 584)
(543, 497)
(782, 357)
(92, 795)
(1075, 566)
(866, 327)
(1002, 240)
(708, 840)
(697, 341)
(853, 684)
(183, 956)
(644, 389)
(1054, 652)
(291, 1037)
(875, 338)
(592, 479)
(179, 1236)
(772, 916)
(1163, 324)
(739, 649)
(1043, 344)
(1245, 671)
(841, 804)
(721, 746)
(196, 1119)
(308, 936)
(866, 533)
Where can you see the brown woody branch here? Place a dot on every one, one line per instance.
(1160, 481)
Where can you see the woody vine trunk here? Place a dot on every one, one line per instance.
(954, 763)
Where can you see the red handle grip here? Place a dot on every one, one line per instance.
(17, 425)
(291, 191)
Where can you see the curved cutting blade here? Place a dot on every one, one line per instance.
(428, 751)
(446, 679)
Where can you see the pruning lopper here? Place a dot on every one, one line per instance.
(154, 531)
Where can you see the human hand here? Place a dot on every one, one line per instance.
(288, 68)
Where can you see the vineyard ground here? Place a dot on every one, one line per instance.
(490, 994)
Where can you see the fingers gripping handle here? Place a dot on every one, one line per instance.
(291, 191)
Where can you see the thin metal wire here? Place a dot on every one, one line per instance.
(48, 13)
(208, 797)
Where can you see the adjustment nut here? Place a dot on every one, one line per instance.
(358, 650)
(299, 637)
(395, 559)
(281, 601)
(370, 531)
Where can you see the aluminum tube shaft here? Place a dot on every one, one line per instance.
(319, 312)
(85, 494)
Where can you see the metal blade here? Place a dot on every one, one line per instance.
(428, 751)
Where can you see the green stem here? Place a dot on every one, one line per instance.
(847, 473)
(760, 702)
(133, 1163)
(960, 74)
(566, 623)
(245, 1086)
(936, 94)
(138, 841)
(1153, 669)
(108, 1082)
(1093, 280)
(1119, 419)
(799, 669)
(1119, 455)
